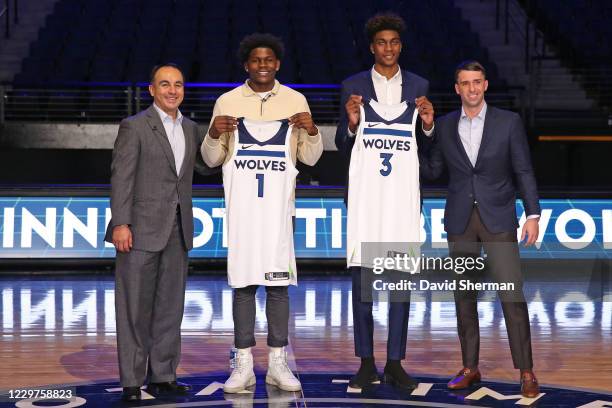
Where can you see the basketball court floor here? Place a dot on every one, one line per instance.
(59, 333)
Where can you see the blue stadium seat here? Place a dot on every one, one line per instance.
(324, 38)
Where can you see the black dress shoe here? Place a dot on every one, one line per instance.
(130, 394)
(169, 387)
(367, 374)
(395, 375)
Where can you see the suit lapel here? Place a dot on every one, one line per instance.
(159, 132)
(406, 89)
(488, 127)
(458, 141)
(370, 83)
(187, 135)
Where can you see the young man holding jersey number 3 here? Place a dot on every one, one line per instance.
(386, 117)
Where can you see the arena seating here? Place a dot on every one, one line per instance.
(582, 33)
(115, 41)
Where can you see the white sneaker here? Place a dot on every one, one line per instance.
(243, 375)
(279, 373)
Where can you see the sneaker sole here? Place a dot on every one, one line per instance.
(235, 390)
(272, 381)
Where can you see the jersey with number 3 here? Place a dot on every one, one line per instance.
(258, 181)
(384, 201)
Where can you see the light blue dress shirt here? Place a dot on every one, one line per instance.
(470, 132)
(175, 134)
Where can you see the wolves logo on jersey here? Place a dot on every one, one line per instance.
(383, 196)
(252, 155)
(258, 181)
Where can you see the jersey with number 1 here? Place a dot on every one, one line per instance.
(384, 202)
(259, 180)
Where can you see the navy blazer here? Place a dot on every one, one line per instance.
(413, 86)
(503, 158)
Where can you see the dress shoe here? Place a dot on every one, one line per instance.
(395, 375)
(464, 379)
(366, 375)
(529, 385)
(130, 394)
(169, 387)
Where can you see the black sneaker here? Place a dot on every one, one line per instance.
(395, 375)
(367, 374)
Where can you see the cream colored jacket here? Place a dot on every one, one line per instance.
(282, 103)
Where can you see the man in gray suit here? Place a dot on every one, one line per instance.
(152, 230)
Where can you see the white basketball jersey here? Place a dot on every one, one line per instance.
(384, 201)
(259, 180)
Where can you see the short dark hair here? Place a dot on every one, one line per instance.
(469, 65)
(164, 65)
(384, 21)
(260, 40)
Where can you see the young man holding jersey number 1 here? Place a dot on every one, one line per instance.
(258, 132)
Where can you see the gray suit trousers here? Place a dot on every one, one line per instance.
(149, 303)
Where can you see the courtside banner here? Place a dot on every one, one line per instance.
(73, 227)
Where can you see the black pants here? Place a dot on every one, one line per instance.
(504, 264)
(277, 313)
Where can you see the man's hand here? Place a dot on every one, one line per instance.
(352, 111)
(122, 238)
(426, 111)
(222, 124)
(303, 120)
(530, 230)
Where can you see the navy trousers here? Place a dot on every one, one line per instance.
(363, 322)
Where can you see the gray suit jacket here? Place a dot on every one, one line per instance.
(145, 190)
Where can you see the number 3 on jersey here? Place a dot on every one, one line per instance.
(260, 184)
(386, 162)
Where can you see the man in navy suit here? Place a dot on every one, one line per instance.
(387, 84)
(484, 148)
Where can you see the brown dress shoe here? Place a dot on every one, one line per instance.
(464, 379)
(529, 385)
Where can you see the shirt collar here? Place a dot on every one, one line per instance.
(165, 117)
(481, 115)
(248, 91)
(378, 77)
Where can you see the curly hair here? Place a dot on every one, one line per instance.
(257, 40)
(384, 21)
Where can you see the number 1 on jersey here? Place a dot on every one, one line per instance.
(260, 184)
(386, 161)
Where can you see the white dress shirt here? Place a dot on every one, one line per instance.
(175, 134)
(389, 91)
